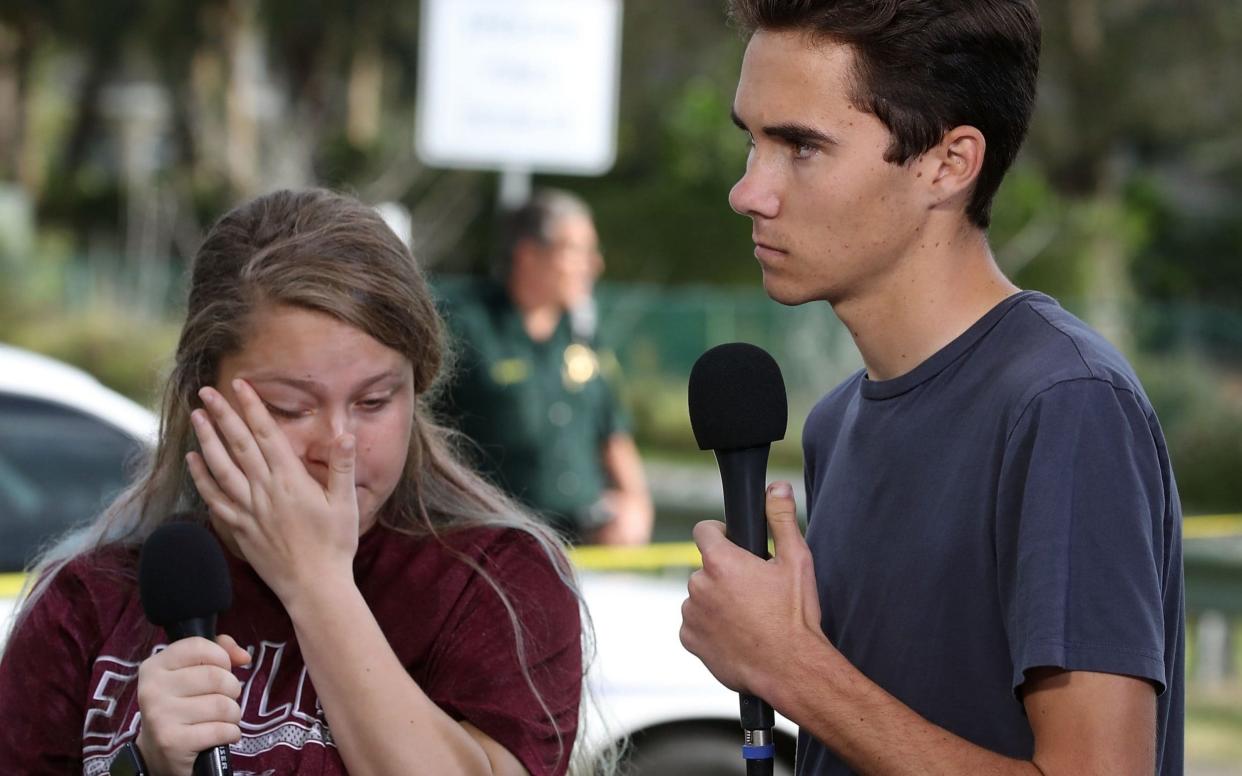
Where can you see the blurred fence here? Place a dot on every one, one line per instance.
(661, 330)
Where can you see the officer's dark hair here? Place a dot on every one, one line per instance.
(926, 66)
(535, 221)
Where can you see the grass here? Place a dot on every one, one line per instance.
(1214, 727)
(1214, 714)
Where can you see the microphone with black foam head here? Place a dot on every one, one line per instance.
(738, 409)
(183, 581)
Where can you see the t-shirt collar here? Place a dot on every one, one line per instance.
(936, 363)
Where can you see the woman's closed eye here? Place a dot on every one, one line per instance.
(284, 412)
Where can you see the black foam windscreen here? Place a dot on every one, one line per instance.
(737, 398)
(182, 574)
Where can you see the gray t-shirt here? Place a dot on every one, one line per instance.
(1006, 505)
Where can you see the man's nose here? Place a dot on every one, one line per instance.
(755, 194)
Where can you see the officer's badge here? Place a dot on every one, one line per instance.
(581, 366)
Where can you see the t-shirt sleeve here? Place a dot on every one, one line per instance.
(476, 665)
(44, 673)
(1079, 531)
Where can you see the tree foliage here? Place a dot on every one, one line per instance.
(1130, 180)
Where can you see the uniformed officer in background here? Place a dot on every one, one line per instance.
(533, 391)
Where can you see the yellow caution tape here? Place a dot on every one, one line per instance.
(654, 557)
(11, 585)
(651, 557)
(665, 555)
(1212, 526)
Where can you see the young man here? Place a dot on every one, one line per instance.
(533, 393)
(991, 579)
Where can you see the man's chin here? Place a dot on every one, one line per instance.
(785, 293)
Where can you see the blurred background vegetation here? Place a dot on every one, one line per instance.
(126, 127)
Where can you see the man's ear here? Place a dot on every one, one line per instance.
(954, 164)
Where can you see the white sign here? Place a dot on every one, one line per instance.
(519, 84)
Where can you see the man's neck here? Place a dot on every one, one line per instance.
(926, 303)
(540, 322)
(539, 316)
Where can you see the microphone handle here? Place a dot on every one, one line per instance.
(204, 627)
(742, 475)
(214, 761)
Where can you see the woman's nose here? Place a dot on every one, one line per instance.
(329, 425)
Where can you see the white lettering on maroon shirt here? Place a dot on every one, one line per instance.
(266, 722)
(100, 732)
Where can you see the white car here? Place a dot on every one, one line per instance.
(65, 440)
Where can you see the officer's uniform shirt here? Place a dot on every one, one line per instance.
(540, 412)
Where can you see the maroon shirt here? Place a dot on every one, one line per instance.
(68, 678)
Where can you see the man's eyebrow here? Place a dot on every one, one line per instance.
(790, 132)
(800, 134)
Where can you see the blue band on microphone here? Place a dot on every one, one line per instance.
(765, 752)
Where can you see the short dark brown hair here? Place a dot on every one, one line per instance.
(535, 220)
(926, 66)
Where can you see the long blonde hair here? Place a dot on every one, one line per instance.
(330, 253)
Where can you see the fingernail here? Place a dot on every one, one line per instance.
(780, 489)
(347, 444)
(237, 385)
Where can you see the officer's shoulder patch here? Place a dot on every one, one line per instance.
(508, 371)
